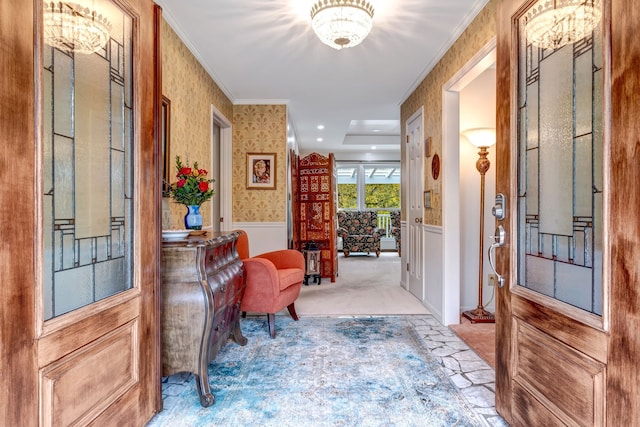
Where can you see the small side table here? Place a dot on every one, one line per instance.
(313, 259)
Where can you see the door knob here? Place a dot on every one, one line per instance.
(498, 241)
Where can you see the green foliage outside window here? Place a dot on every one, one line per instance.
(377, 196)
(347, 196)
(382, 196)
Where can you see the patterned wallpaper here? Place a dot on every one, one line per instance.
(259, 129)
(429, 94)
(191, 91)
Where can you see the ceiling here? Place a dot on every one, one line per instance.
(265, 51)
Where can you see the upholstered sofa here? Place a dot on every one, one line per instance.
(359, 232)
(395, 229)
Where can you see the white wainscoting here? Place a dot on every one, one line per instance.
(264, 236)
(433, 287)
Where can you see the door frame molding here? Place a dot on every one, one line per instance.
(224, 166)
(18, 294)
(480, 62)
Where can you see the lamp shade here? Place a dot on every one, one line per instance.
(481, 137)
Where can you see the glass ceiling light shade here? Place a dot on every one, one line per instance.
(75, 27)
(342, 23)
(555, 23)
(481, 137)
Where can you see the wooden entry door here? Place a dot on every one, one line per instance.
(79, 329)
(567, 155)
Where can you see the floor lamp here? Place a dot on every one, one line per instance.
(483, 138)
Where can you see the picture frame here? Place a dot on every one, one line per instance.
(165, 137)
(427, 146)
(428, 199)
(261, 171)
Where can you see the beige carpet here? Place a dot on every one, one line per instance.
(366, 285)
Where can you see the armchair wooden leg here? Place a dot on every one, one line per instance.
(271, 319)
(292, 311)
(244, 314)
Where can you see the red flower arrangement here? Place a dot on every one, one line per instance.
(192, 187)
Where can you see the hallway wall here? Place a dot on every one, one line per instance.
(259, 129)
(429, 94)
(191, 91)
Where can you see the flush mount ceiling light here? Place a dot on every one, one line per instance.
(75, 27)
(555, 23)
(342, 23)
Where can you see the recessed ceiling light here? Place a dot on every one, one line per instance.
(375, 130)
(320, 127)
(319, 140)
(373, 147)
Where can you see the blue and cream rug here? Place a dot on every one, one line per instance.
(322, 372)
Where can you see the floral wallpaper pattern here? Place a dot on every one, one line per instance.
(429, 94)
(191, 91)
(259, 129)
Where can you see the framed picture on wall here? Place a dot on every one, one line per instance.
(427, 146)
(165, 134)
(261, 171)
(428, 199)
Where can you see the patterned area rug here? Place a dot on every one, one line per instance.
(322, 372)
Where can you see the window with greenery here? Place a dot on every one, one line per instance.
(347, 196)
(369, 186)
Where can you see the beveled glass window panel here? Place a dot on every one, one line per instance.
(560, 181)
(87, 166)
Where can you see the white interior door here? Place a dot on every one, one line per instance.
(415, 162)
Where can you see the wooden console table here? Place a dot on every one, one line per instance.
(203, 282)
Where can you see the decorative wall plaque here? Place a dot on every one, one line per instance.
(435, 167)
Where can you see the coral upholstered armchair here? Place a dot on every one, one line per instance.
(274, 280)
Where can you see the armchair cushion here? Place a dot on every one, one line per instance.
(285, 258)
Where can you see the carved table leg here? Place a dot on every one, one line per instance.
(204, 391)
(236, 332)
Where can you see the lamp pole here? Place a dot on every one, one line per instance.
(479, 314)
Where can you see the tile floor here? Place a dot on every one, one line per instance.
(472, 375)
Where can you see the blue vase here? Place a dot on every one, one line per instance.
(193, 219)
